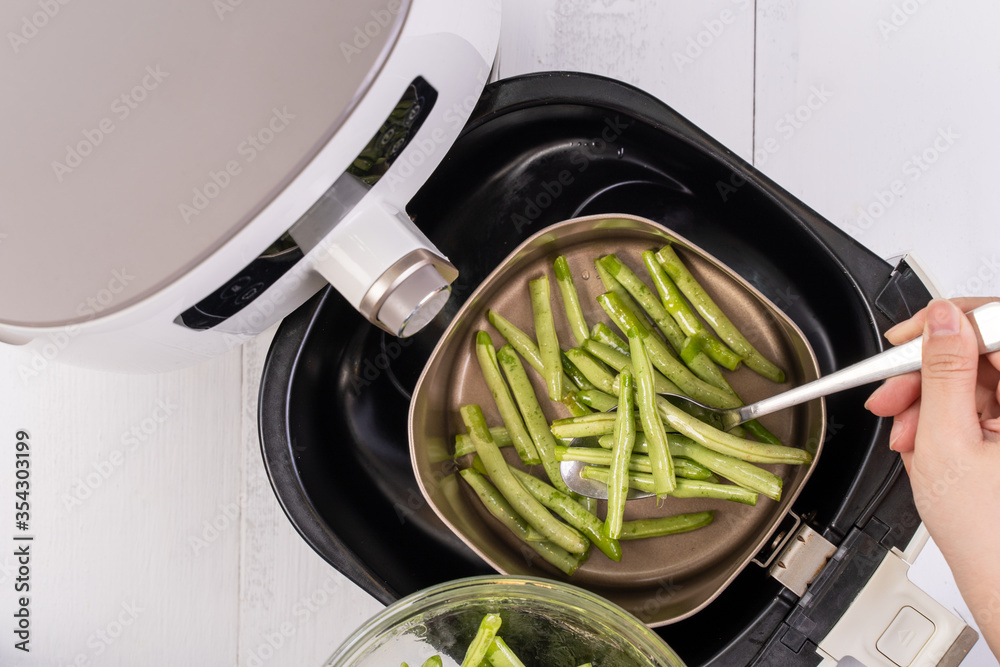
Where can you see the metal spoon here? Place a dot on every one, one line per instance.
(896, 361)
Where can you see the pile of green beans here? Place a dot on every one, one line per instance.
(487, 648)
(609, 383)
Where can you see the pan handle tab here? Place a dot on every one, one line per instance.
(802, 560)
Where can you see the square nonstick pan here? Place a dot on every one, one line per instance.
(697, 565)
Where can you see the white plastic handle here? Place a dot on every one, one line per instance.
(893, 623)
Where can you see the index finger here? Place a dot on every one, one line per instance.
(914, 326)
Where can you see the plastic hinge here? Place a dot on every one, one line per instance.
(907, 290)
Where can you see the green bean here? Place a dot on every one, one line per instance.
(622, 362)
(708, 309)
(663, 467)
(586, 426)
(682, 447)
(674, 302)
(739, 472)
(463, 443)
(686, 488)
(576, 407)
(433, 661)
(611, 284)
(688, 469)
(501, 655)
(481, 642)
(596, 399)
(571, 512)
(571, 300)
(667, 525)
(592, 369)
(698, 338)
(696, 488)
(759, 431)
(589, 504)
(498, 506)
(725, 443)
(574, 373)
(674, 370)
(595, 424)
(639, 462)
(693, 346)
(702, 366)
(523, 503)
(551, 553)
(621, 455)
(645, 298)
(534, 418)
(520, 341)
(602, 333)
(487, 357)
(545, 331)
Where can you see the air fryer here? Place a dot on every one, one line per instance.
(540, 149)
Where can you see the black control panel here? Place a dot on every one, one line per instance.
(244, 287)
(395, 133)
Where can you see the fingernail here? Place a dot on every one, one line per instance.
(873, 396)
(888, 333)
(895, 433)
(942, 318)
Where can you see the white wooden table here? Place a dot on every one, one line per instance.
(158, 539)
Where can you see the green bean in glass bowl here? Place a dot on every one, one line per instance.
(543, 622)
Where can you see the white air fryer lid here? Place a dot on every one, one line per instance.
(140, 136)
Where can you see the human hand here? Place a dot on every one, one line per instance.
(946, 427)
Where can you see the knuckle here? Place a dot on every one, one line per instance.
(947, 363)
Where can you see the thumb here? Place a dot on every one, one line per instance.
(949, 366)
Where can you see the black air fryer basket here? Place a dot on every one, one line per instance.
(540, 149)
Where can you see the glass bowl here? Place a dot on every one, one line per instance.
(544, 622)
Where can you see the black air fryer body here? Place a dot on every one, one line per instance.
(545, 148)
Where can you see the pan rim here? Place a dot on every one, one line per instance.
(471, 304)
